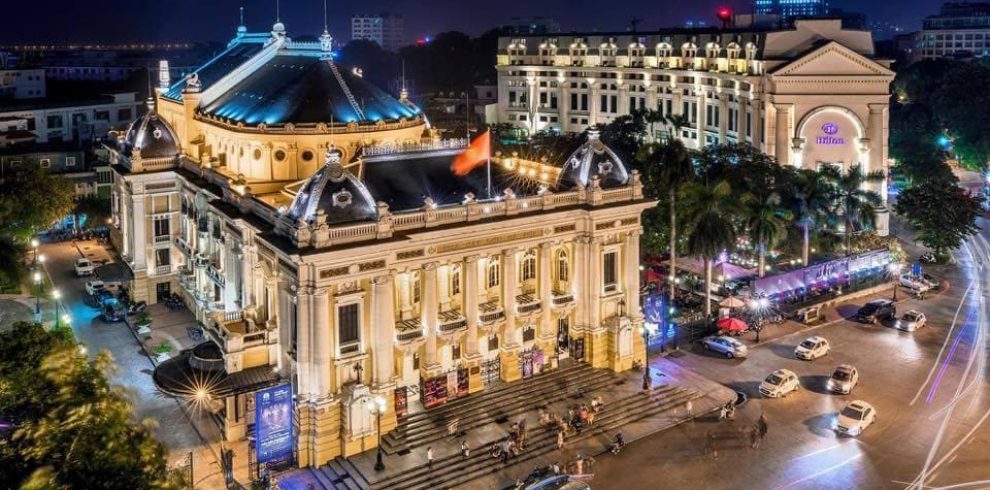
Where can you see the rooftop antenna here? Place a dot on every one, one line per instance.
(241, 28)
(326, 42)
(326, 28)
(403, 93)
(242, 16)
(278, 17)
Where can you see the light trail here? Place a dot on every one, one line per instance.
(822, 472)
(945, 343)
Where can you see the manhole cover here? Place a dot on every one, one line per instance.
(676, 353)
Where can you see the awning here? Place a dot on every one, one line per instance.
(188, 373)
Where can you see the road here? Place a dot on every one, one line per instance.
(929, 389)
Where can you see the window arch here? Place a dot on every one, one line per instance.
(494, 272)
(689, 50)
(563, 269)
(529, 266)
(733, 51)
(712, 50)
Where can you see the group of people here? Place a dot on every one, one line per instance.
(577, 418)
(514, 444)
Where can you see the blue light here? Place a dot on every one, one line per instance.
(944, 141)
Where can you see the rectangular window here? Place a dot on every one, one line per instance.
(632, 103)
(553, 101)
(45, 163)
(694, 113)
(163, 257)
(604, 103)
(749, 124)
(455, 352)
(609, 271)
(543, 98)
(718, 117)
(123, 115)
(584, 102)
(529, 334)
(54, 122)
(493, 343)
(348, 324)
(70, 161)
(615, 103)
(574, 102)
(455, 282)
(161, 227)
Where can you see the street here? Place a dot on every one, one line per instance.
(929, 389)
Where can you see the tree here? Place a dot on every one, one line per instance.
(72, 428)
(943, 215)
(811, 196)
(665, 168)
(709, 223)
(92, 211)
(766, 221)
(30, 200)
(853, 201)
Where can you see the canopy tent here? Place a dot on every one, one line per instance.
(729, 272)
(732, 324)
(732, 302)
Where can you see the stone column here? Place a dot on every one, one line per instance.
(579, 264)
(443, 282)
(564, 105)
(304, 331)
(471, 305)
(594, 283)
(509, 352)
(876, 132)
(782, 134)
(428, 315)
(741, 120)
(723, 118)
(631, 286)
(623, 101)
(546, 331)
(322, 351)
(383, 328)
(593, 104)
(247, 276)
(405, 307)
(140, 252)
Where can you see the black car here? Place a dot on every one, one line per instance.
(112, 310)
(877, 310)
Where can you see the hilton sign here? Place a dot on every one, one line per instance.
(830, 130)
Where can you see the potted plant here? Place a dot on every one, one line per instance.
(143, 323)
(163, 351)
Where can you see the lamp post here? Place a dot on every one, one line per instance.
(34, 245)
(758, 305)
(37, 296)
(376, 407)
(895, 272)
(56, 294)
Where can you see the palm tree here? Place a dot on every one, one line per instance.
(709, 214)
(811, 195)
(653, 117)
(854, 201)
(668, 167)
(766, 221)
(676, 122)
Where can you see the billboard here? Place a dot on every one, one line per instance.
(273, 424)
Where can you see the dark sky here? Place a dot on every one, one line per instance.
(60, 21)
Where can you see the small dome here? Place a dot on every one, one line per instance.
(333, 189)
(591, 159)
(152, 135)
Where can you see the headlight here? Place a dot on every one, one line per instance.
(830, 384)
(855, 430)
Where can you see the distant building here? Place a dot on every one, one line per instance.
(91, 177)
(72, 119)
(960, 30)
(791, 9)
(388, 30)
(531, 25)
(22, 84)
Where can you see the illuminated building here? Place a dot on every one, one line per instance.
(316, 227)
(960, 29)
(791, 9)
(810, 95)
(388, 30)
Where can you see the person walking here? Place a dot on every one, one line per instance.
(754, 437)
(465, 450)
(452, 427)
(560, 439)
(761, 426)
(429, 457)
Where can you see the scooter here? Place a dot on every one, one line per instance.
(617, 444)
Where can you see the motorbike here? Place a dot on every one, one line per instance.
(136, 308)
(927, 258)
(617, 444)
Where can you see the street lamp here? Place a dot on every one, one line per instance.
(758, 305)
(56, 294)
(37, 296)
(34, 245)
(376, 407)
(895, 272)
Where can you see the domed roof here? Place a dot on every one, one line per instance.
(336, 191)
(300, 89)
(594, 158)
(152, 135)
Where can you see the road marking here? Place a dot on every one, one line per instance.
(822, 472)
(817, 452)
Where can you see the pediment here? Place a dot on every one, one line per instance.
(830, 60)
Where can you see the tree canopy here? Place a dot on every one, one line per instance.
(30, 200)
(943, 215)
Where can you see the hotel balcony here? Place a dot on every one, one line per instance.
(161, 239)
(408, 330)
(562, 298)
(215, 275)
(183, 246)
(237, 331)
(163, 270)
(527, 303)
(451, 321)
(490, 312)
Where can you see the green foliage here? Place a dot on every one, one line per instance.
(73, 428)
(164, 347)
(853, 201)
(943, 215)
(30, 201)
(96, 210)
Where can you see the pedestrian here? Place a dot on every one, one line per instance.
(690, 410)
(560, 439)
(452, 427)
(506, 447)
(722, 413)
(730, 411)
(754, 437)
(465, 450)
(555, 467)
(591, 419)
(429, 457)
(761, 425)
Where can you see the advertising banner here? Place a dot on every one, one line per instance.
(273, 427)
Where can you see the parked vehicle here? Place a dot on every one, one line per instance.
(727, 346)
(94, 287)
(843, 379)
(84, 268)
(911, 321)
(854, 418)
(112, 310)
(913, 283)
(780, 383)
(812, 348)
(877, 310)
(136, 308)
(927, 258)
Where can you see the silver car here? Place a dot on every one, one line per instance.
(727, 346)
(843, 380)
(911, 321)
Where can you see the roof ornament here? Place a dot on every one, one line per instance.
(192, 82)
(278, 30)
(403, 93)
(335, 171)
(241, 28)
(326, 41)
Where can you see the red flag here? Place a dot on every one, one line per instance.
(476, 154)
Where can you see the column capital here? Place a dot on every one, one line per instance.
(320, 291)
(382, 279)
(470, 259)
(429, 266)
(547, 245)
(510, 252)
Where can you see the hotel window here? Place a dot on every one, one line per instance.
(161, 226)
(348, 327)
(529, 334)
(416, 288)
(455, 352)
(493, 343)
(163, 257)
(529, 267)
(70, 161)
(609, 272)
(45, 163)
(455, 280)
(563, 273)
(493, 273)
(574, 102)
(584, 102)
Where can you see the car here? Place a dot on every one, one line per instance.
(94, 287)
(812, 348)
(779, 383)
(854, 418)
(914, 283)
(84, 267)
(843, 379)
(911, 321)
(727, 346)
(877, 310)
(112, 310)
(929, 280)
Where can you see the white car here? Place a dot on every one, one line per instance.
(726, 346)
(779, 383)
(911, 321)
(95, 286)
(854, 418)
(812, 348)
(84, 267)
(843, 379)
(913, 283)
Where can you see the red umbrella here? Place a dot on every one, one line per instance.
(732, 324)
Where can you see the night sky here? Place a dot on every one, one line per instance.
(61, 21)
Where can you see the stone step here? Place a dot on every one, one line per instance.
(493, 410)
(339, 477)
(634, 407)
(322, 477)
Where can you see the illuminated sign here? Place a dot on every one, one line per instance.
(273, 423)
(830, 130)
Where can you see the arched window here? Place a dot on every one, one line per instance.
(712, 50)
(689, 50)
(733, 51)
(563, 271)
(416, 288)
(494, 273)
(529, 266)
